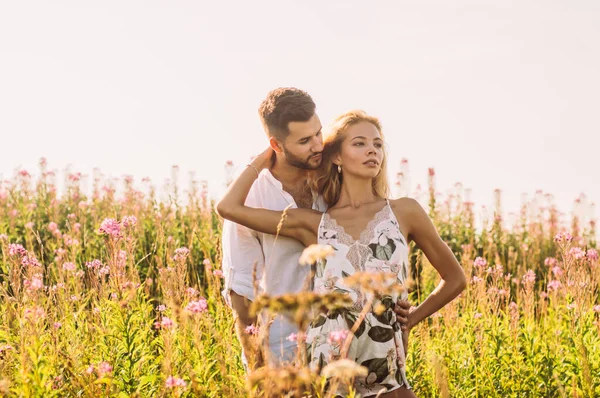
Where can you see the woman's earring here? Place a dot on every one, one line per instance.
(340, 168)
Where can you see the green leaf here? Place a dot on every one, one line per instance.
(320, 321)
(383, 252)
(381, 334)
(350, 320)
(378, 370)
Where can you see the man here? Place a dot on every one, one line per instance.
(294, 131)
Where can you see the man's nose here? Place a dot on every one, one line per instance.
(318, 146)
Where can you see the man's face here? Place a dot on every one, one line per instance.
(304, 144)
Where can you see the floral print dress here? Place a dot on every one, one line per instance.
(377, 344)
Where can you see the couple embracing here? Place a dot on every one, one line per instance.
(346, 205)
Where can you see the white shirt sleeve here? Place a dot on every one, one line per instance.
(241, 250)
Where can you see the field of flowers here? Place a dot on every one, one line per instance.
(106, 294)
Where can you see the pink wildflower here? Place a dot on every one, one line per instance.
(554, 285)
(296, 337)
(35, 313)
(129, 221)
(557, 271)
(69, 267)
(477, 279)
(104, 368)
(529, 278)
(563, 237)
(110, 227)
(166, 323)
(251, 330)
(36, 282)
(292, 337)
(480, 262)
(57, 325)
(191, 291)
(94, 264)
(477, 315)
(197, 307)
(30, 262)
(15, 249)
(550, 261)
(337, 336)
(52, 226)
(597, 308)
(90, 369)
(29, 225)
(577, 252)
(592, 254)
(218, 273)
(181, 253)
(161, 308)
(173, 382)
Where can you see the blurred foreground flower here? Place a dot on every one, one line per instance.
(344, 369)
(173, 382)
(285, 381)
(312, 253)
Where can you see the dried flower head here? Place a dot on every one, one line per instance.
(344, 369)
(378, 283)
(313, 253)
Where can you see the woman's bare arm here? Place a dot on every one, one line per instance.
(423, 232)
(300, 224)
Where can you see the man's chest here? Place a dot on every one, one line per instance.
(302, 196)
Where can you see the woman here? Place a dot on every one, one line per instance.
(369, 233)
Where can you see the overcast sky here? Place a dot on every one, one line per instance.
(495, 94)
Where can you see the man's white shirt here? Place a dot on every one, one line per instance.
(277, 268)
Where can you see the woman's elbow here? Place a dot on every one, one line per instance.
(223, 210)
(461, 281)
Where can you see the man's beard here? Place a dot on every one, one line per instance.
(300, 163)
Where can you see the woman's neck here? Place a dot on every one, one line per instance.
(356, 192)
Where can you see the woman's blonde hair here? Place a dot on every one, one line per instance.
(327, 181)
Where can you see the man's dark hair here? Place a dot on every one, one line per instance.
(282, 106)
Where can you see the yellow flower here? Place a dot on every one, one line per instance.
(312, 253)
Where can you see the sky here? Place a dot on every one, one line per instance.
(492, 94)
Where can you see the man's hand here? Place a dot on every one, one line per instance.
(252, 351)
(402, 313)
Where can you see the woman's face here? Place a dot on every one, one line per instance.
(361, 152)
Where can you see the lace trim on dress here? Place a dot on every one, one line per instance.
(365, 236)
(359, 251)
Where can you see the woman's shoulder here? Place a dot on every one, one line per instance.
(406, 208)
(405, 204)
